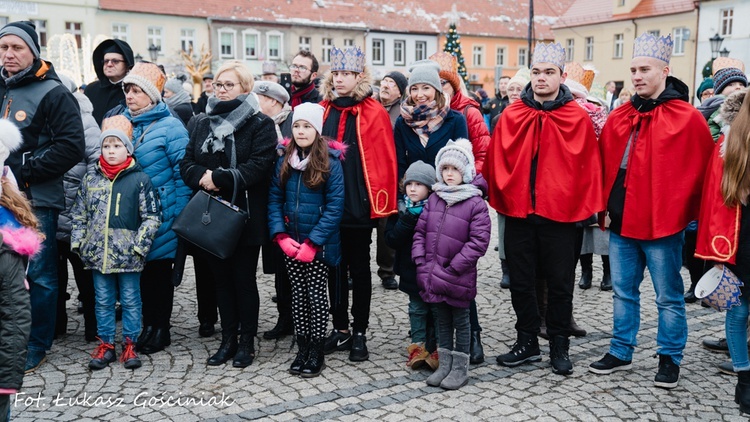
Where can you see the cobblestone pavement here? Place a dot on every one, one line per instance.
(383, 388)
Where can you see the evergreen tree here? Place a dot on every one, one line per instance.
(453, 46)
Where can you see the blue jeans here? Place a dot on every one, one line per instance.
(106, 287)
(42, 277)
(418, 311)
(663, 257)
(736, 329)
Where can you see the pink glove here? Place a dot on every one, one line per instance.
(307, 252)
(287, 244)
(7, 391)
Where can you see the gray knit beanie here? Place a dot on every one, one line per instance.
(425, 72)
(421, 172)
(458, 154)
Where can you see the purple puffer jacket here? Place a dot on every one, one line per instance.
(448, 242)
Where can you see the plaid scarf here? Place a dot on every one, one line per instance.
(424, 119)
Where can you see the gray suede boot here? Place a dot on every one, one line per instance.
(445, 360)
(459, 375)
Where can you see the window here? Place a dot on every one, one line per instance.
(274, 42)
(621, 2)
(75, 29)
(304, 43)
(3, 20)
(619, 46)
(589, 49)
(120, 31)
(727, 18)
(187, 39)
(570, 45)
(377, 51)
(655, 32)
(41, 31)
(327, 45)
(226, 43)
(680, 35)
(155, 37)
(522, 55)
(477, 56)
(420, 50)
(348, 42)
(399, 52)
(250, 43)
(500, 56)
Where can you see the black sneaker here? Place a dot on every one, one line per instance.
(337, 341)
(389, 283)
(609, 364)
(526, 349)
(359, 348)
(669, 373)
(103, 355)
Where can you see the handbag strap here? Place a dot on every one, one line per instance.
(236, 177)
(143, 135)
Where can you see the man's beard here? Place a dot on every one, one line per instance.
(302, 83)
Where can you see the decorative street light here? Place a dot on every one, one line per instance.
(153, 52)
(715, 41)
(138, 58)
(724, 52)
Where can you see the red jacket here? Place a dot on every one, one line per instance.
(479, 135)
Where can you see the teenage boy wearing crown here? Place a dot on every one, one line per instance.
(544, 175)
(353, 117)
(654, 151)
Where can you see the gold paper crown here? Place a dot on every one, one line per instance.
(446, 61)
(352, 59)
(580, 74)
(549, 53)
(725, 62)
(118, 122)
(647, 45)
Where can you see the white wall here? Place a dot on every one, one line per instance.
(379, 70)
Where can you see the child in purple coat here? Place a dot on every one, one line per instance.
(452, 233)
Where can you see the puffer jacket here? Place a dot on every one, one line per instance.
(304, 213)
(159, 154)
(399, 235)
(115, 221)
(409, 148)
(448, 242)
(72, 179)
(479, 135)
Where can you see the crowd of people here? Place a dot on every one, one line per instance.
(97, 179)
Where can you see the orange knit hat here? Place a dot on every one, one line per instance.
(120, 127)
(448, 68)
(149, 78)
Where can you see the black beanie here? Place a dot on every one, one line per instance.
(400, 80)
(26, 30)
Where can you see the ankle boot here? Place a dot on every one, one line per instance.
(607, 278)
(575, 330)
(245, 352)
(445, 359)
(158, 342)
(742, 391)
(315, 359)
(558, 355)
(476, 350)
(227, 350)
(283, 327)
(587, 271)
(505, 281)
(541, 304)
(526, 349)
(459, 374)
(301, 358)
(146, 335)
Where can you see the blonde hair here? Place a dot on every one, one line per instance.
(241, 70)
(735, 182)
(17, 204)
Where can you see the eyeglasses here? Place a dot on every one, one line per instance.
(300, 68)
(228, 86)
(113, 62)
(443, 82)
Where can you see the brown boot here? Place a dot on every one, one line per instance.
(575, 330)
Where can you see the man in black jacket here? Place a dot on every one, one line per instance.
(112, 60)
(304, 69)
(53, 142)
(496, 105)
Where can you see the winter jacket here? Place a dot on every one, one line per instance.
(448, 242)
(17, 245)
(479, 135)
(105, 95)
(256, 142)
(409, 148)
(159, 154)
(115, 221)
(50, 122)
(304, 213)
(399, 235)
(72, 179)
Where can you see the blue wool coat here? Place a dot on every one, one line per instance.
(409, 148)
(160, 153)
(304, 213)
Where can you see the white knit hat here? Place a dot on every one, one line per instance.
(458, 154)
(311, 113)
(10, 140)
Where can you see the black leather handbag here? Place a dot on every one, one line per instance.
(211, 223)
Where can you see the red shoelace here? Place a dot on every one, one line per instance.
(101, 349)
(129, 352)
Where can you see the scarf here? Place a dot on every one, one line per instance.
(424, 119)
(143, 110)
(225, 117)
(298, 163)
(11, 80)
(178, 98)
(298, 94)
(279, 119)
(414, 207)
(110, 170)
(455, 194)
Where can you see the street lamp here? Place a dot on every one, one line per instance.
(138, 58)
(715, 41)
(153, 52)
(724, 52)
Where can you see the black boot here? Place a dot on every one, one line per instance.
(227, 350)
(146, 335)
(476, 350)
(301, 358)
(587, 271)
(158, 342)
(245, 352)
(742, 391)
(526, 349)
(505, 281)
(558, 355)
(607, 278)
(315, 359)
(283, 327)
(575, 330)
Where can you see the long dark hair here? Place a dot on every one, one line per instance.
(318, 168)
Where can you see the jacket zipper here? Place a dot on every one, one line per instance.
(439, 233)
(296, 209)
(106, 221)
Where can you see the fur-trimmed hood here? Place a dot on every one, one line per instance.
(731, 106)
(23, 241)
(335, 148)
(362, 90)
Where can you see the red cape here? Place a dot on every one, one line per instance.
(718, 224)
(377, 150)
(568, 178)
(665, 169)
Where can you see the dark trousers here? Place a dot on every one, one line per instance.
(450, 320)
(532, 241)
(282, 284)
(84, 282)
(355, 255)
(205, 290)
(384, 256)
(237, 290)
(696, 266)
(157, 293)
